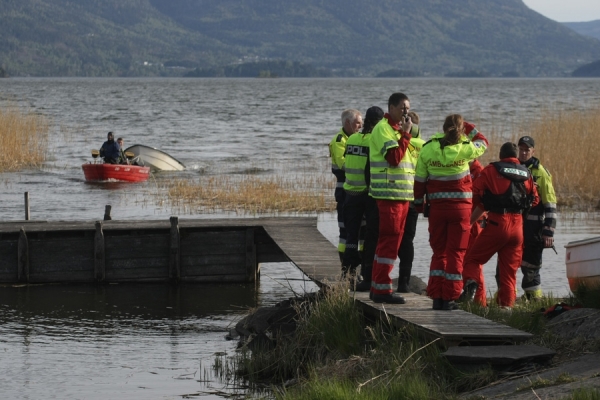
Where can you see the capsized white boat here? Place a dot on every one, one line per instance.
(583, 262)
(155, 159)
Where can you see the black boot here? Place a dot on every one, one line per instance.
(469, 291)
(449, 305)
(403, 284)
(437, 304)
(391, 298)
(363, 286)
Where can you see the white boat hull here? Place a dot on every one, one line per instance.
(583, 262)
(155, 159)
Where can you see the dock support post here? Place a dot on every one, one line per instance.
(175, 251)
(107, 216)
(23, 257)
(27, 206)
(251, 270)
(99, 260)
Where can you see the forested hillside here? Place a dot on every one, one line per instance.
(333, 37)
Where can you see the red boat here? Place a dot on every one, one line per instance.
(115, 172)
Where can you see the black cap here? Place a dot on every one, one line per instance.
(528, 141)
(109, 134)
(374, 114)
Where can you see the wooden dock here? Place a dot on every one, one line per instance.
(317, 258)
(225, 250)
(216, 250)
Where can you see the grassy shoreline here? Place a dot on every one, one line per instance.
(335, 353)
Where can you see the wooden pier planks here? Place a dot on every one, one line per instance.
(318, 259)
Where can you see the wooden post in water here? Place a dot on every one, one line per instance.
(99, 264)
(175, 251)
(251, 270)
(107, 216)
(22, 257)
(26, 206)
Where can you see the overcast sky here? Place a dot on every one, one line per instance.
(566, 11)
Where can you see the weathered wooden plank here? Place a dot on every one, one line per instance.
(250, 264)
(9, 260)
(23, 257)
(175, 253)
(53, 256)
(213, 242)
(498, 355)
(99, 253)
(214, 279)
(155, 273)
(194, 265)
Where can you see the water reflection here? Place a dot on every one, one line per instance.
(128, 340)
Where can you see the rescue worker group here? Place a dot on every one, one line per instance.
(387, 174)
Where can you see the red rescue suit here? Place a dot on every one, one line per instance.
(503, 234)
(475, 169)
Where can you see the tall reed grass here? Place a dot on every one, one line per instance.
(24, 138)
(249, 193)
(566, 144)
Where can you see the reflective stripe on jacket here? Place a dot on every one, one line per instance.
(444, 171)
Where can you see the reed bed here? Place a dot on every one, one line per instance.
(24, 138)
(248, 193)
(567, 146)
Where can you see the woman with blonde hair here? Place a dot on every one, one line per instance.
(442, 174)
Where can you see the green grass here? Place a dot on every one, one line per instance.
(584, 394)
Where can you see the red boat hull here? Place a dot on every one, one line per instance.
(118, 172)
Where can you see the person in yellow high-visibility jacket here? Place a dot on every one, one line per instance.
(392, 179)
(358, 205)
(351, 123)
(540, 223)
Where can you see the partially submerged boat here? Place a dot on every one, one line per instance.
(115, 172)
(583, 263)
(156, 159)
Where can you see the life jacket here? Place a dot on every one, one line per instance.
(515, 199)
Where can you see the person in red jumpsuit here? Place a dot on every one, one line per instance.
(506, 190)
(470, 286)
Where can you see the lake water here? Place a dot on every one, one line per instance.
(156, 342)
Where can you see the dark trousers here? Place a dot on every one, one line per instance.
(359, 208)
(340, 196)
(406, 252)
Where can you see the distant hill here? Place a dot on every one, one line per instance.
(591, 70)
(591, 29)
(333, 37)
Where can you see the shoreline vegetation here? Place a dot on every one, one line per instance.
(24, 138)
(334, 352)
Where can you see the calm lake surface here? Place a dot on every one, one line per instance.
(157, 342)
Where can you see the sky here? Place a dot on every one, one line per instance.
(566, 11)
